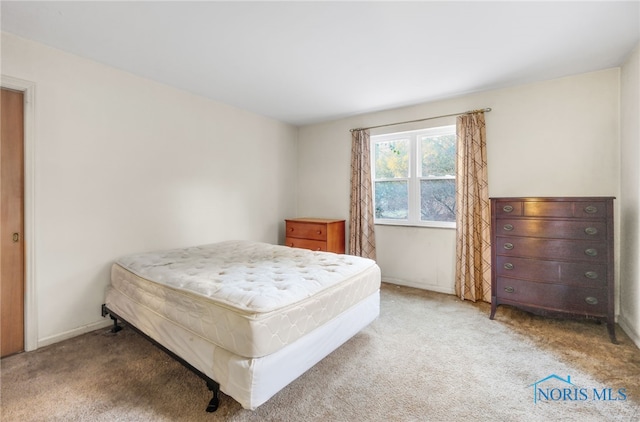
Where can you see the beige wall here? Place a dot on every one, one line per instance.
(554, 138)
(123, 164)
(630, 196)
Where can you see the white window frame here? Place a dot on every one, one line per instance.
(414, 176)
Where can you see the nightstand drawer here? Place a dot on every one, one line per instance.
(314, 245)
(307, 230)
(317, 234)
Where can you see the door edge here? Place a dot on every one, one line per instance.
(28, 89)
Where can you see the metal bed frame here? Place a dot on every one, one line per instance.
(213, 386)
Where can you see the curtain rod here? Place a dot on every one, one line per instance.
(422, 120)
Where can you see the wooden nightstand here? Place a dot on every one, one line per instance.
(317, 234)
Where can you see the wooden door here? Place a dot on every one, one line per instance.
(11, 223)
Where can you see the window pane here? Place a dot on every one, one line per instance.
(392, 159)
(438, 200)
(438, 155)
(392, 200)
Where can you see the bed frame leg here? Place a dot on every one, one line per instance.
(215, 401)
(116, 327)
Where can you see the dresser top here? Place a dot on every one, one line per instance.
(554, 198)
(314, 220)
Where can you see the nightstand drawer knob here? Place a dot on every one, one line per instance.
(591, 274)
(591, 209)
(508, 227)
(509, 289)
(591, 252)
(508, 246)
(591, 300)
(507, 208)
(508, 266)
(591, 230)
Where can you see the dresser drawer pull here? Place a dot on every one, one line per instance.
(591, 274)
(591, 230)
(508, 266)
(508, 246)
(508, 227)
(591, 300)
(507, 208)
(319, 232)
(591, 252)
(509, 289)
(591, 209)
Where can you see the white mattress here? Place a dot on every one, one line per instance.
(249, 298)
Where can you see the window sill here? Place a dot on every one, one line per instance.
(425, 225)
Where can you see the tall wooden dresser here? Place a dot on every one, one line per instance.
(317, 234)
(554, 256)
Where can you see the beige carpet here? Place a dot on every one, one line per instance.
(429, 357)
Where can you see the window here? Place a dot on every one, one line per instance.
(414, 177)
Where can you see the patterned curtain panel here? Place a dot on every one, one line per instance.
(473, 211)
(362, 238)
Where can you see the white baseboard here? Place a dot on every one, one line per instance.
(430, 287)
(75, 332)
(628, 329)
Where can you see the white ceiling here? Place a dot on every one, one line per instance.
(307, 62)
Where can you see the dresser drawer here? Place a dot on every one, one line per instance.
(314, 245)
(573, 209)
(559, 229)
(580, 300)
(571, 273)
(556, 249)
(306, 230)
(508, 208)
